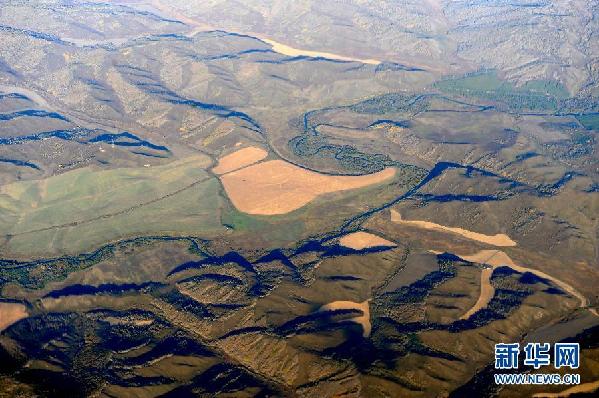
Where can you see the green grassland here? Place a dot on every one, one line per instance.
(535, 95)
(82, 209)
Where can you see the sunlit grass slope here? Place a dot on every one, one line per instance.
(80, 209)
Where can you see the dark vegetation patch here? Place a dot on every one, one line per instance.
(311, 143)
(533, 96)
(107, 288)
(37, 273)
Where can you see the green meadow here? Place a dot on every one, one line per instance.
(81, 209)
(535, 95)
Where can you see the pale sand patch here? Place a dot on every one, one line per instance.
(363, 240)
(579, 389)
(487, 291)
(363, 319)
(296, 52)
(279, 187)
(276, 46)
(239, 159)
(120, 321)
(497, 258)
(11, 313)
(494, 258)
(496, 240)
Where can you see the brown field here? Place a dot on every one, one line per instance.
(363, 320)
(239, 159)
(11, 313)
(363, 240)
(501, 240)
(279, 187)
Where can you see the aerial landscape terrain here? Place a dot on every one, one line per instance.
(271, 198)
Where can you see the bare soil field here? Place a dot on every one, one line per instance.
(239, 159)
(501, 240)
(362, 240)
(277, 187)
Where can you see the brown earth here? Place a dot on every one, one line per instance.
(239, 159)
(363, 240)
(279, 187)
(11, 313)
